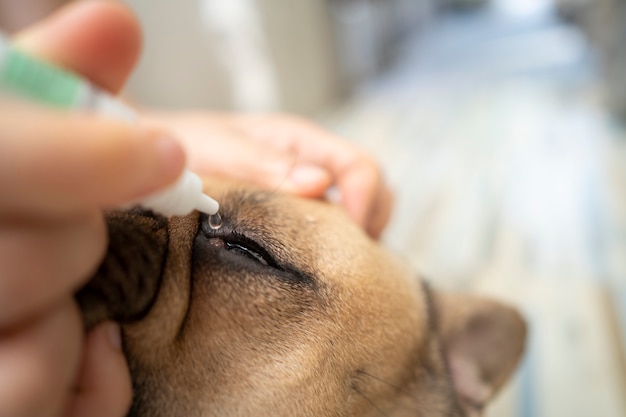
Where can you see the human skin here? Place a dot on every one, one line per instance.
(52, 234)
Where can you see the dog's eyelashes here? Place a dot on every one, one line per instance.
(245, 251)
(244, 246)
(236, 242)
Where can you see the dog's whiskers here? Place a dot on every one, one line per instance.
(397, 388)
(380, 380)
(410, 395)
(372, 403)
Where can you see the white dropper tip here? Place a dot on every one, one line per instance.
(181, 198)
(207, 205)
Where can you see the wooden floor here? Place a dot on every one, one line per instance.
(511, 180)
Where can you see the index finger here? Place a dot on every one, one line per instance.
(55, 162)
(356, 174)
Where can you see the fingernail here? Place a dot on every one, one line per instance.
(115, 336)
(306, 175)
(333, 194)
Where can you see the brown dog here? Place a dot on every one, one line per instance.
(289, 309)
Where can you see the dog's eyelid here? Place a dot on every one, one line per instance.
(249, 252)
(248, 247)
(254, 244)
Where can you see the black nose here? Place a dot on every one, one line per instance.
(128, 279)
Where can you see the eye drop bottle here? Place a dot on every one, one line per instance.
(23, 77)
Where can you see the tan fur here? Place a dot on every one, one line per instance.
(345, 329)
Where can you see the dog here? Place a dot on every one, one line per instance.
(290, 309)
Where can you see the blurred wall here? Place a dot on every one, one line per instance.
(241, 54)
(369, 33)
(299, 56)
(604, 23)
(17, 14)
(302, 49)
(179, 66)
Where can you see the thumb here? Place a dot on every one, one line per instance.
(104, 386)
(99, 39)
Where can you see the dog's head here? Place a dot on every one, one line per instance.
(289, 309)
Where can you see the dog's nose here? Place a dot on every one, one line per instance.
(127, 281)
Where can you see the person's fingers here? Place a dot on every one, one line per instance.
(217, 148)
(381, 212)
(357, 176)
(68, 162)
(263, 166)
(365, 197)
(104, 386)
(42, 260)
(100, 40)
(286, 153)
(39, 362)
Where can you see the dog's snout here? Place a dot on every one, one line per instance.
(128, 279)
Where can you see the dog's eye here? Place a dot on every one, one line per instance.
(249, 248)
(238, 243)
(247, 252)
(244, 246)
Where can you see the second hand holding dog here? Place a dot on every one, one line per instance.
(277, 151)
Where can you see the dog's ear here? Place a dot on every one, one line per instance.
(483, 342)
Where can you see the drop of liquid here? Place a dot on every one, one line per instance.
(215, 221)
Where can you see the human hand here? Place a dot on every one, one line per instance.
(287, 153)
(56, 172)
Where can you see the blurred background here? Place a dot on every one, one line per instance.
(499, 124)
